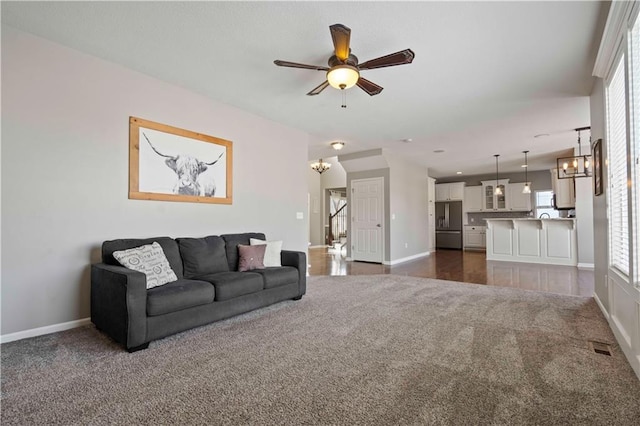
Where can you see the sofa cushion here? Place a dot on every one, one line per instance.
(201, 256)
(169, 247)
(275, 277)
(250, 257)
(272, 254)
(178, 295)
(232, 241)
(233, 284)
(150, 260)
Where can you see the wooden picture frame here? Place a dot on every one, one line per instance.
(598, 188)
(171, 164)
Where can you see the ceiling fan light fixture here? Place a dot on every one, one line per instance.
(343, 76)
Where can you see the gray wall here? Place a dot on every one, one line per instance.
(315, 208)
(540, 179)
(65, 170)
(408, 203)
(600, 223)
(333, 178)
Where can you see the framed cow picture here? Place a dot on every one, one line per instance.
(171, 164)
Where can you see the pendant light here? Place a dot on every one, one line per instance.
(498, 190)
(575, 166)
(527, 185)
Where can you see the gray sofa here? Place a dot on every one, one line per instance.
(209, 287)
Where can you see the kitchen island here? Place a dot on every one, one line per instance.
(549, 241)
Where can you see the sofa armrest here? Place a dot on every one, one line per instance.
(298, 260)
(119, 303)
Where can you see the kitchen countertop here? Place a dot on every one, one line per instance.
(529, 218)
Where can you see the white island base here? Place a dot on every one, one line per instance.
(548, 241)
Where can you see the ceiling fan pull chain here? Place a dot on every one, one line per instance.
(344, 98)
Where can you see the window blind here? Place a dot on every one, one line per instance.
(634, 46)
(617, 156)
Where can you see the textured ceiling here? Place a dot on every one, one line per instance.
(487, 76)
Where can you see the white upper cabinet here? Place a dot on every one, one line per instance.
(473, 198)
(564, 191)
(518, 202)
(450, 191)
(492, 201)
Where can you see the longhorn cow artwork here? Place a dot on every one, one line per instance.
(171, 164)
(189, 171)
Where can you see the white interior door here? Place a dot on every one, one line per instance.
(367, 220)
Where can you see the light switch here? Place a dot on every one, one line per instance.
(393, 216)
(299, 215)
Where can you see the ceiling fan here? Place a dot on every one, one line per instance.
(344, 71)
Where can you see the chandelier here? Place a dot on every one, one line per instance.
(577, 166)
(320, 166)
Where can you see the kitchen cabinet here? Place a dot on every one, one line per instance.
(548, 241)
(450, 191)
(564, 191)
(492, 201)
(473, 198)
(475, 237)
(518, 202)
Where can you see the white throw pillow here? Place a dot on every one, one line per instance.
(272, 253)
(151, 261)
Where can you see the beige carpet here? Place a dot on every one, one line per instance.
(355, 350)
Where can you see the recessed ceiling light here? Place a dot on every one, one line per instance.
(458, 173)
(439, 151)
(407, 140)
(524, 165)
(337, 145)
(541, 135)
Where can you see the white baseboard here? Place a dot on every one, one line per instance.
(6, 338)
(406, 259)
(320, 246)
(601, 306)
(589, 266)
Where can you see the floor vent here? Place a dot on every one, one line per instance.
(600, 348)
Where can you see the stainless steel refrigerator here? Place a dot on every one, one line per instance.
(449, 224)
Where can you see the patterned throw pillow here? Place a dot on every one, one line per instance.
(150, 260)
(251, 257)
(272, 254)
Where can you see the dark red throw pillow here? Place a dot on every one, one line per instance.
(250, 257)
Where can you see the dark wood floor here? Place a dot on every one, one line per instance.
(463, 266)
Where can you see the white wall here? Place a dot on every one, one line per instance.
(65, 127)
(584, 220)
(599, 211)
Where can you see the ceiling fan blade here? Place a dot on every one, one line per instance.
(399, 58)
(368, 86)
(280, 63)
(341, 36)
(318, 89)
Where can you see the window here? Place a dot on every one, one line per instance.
(544, 205)
(617, 156)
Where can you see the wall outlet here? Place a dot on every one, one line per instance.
(406, 245)
(299, 215)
